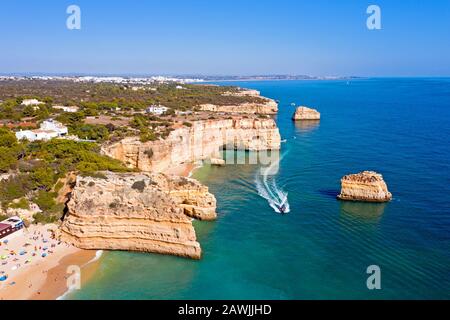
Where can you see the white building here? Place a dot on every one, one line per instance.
(29, 135)
(31, 102)
(52, 125)
(158, 110)
(67, 108)
(49, 129)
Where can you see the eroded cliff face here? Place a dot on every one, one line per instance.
(137, 212)
(268, 106)
(202, 141)
(365, 186)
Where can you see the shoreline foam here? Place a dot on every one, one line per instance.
(96, 258)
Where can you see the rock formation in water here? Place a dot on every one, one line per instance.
(217, 162)
(202, 141)
(145, 212)
(304, 113)
(366, 186)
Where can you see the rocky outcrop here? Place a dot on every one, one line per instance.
(304, 113)
(190, 195)
(202, 141)
(366, 186)
(138, 212)
(266, 106)
(217, 162)
(67, 184)
(243, 93)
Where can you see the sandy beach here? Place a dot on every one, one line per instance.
(35, 265)
(183, 170)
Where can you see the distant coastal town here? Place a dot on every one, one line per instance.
(146, 80)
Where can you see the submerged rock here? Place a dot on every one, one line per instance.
(137, 212)
(304, 113)
(366, 186)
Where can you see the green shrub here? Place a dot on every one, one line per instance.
(23, 203)
(46, 218)
(90, 131)
(9, 150)
(14, 188)
(43, 177)
(45, 200)
(68, 155)
(51, 211)
(58, 186)
(148, 135)
(8, 159)
(7, 138)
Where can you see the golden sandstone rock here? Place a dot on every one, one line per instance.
(366, 186)
(138, 212)
(202, 141)
(304, 113)
(269, 106)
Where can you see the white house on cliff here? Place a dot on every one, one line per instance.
(49, 129)
(31, 102)
(157, 109)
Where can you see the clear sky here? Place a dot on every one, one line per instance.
(239, 37)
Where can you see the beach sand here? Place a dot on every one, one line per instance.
(32, 276)
(183, 170)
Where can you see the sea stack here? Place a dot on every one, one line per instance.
(367, 186)
(305, 113)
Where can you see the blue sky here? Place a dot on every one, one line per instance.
(239, 37)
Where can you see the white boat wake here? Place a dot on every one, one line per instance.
(268, 189)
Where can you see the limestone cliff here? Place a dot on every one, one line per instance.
(366, 186)
(202, 141)
(304, 113)
(137, 211)
(243, 92)
(266, 106)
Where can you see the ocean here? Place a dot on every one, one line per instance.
(321, 249)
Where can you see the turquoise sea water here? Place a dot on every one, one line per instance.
(321, 249)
